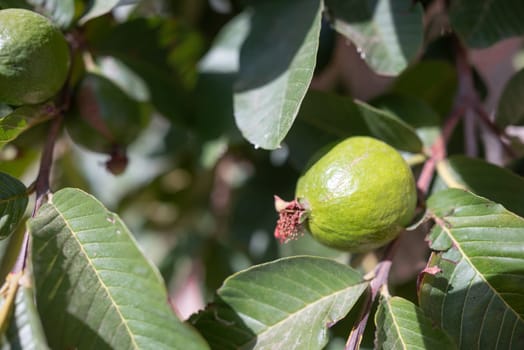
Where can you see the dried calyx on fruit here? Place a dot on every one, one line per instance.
(357, 197)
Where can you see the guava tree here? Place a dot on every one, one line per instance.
(141, 144)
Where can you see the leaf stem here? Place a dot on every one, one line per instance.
(41, 186)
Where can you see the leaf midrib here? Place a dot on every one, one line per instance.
(99, 278)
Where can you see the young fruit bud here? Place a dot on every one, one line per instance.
(357, 197)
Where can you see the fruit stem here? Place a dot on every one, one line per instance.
(292, 215)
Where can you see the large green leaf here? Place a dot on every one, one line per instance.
(21, 119)
(277, 61)
(510, 110)
(387, 33)
(402, 325)
(13, 203)
(485, 179)
(285, 304)
(94, 288)
(25, 328)
(478, 295)
(482, 23)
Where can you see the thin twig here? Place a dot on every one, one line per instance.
(41, 186)
(380, 278)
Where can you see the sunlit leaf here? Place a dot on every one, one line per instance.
(13, 203)
(21, 119)
(285, 304)
(97, 8)
(477, 297)
(482, 23)
(510, 110)
(402, 325)
(93, 284)
(387, 33)
(277, 61)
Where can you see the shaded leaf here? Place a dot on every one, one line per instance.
(25, 328)
(277, 61)
(97, 8)
(387, 33)
(61, 12)
(478, 297)
(13, 203)
(285, 304)
(21, 119)
(124, 78)
(93, 284)
(434, 82)
(485, 179)
(510, 109)
(482, 23)
(402, 325)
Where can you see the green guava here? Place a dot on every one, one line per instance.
(357, 197)
(105, 119)
(34, 57)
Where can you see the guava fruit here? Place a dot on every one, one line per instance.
(104, 119)
(357, 197)
(34, 57)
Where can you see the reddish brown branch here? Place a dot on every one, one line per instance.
(42, 187)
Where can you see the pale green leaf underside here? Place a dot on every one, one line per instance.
(285, 304)
(61, 12)
(387, 33)
(13, 203)
(482, 23)
(510, 110)
(98, 8)
(402, 325)
(25, 330)
(277, 61)
(20, 120)
(478, 298)
(94, 288)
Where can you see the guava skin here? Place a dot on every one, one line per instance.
(34, 58)
(358, 196)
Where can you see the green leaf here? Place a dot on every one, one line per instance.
(285, 304)
(387, 33)
(21, 119)
(478, 295)
(402, 325)
(61, 12)
(94, 288)
(415, 112)
(434, 82)
(25, 328)
(276, 66)
(482, 23)
(97, 8)
(510, 110)
(13, 203)
(485, 179)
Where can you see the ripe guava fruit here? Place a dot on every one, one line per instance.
(34, 58)
(357, 197)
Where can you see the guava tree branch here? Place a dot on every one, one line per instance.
(41, 185)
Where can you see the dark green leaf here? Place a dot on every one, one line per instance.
(277, 62)
(482, 23)
(402, 325)
(285, 304)
(434, 82)
(485, 179)
(25, 328)
(387, 33)
(94, 286)
(473, 286)
(22, 119)
(13, 203)
(510, 110)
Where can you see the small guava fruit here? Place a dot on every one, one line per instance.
(357, 197)
(34, 57)
(104, 119)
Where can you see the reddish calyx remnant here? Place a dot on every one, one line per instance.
(291, 217)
